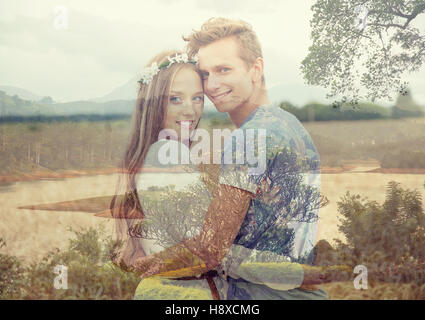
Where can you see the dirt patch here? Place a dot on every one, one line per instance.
(399, 170)
(44, 175)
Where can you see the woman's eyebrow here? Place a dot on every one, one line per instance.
(199, 92)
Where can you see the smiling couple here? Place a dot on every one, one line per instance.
(249, 237)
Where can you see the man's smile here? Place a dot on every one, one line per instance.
(220, 96)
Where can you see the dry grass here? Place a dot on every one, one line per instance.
(375, 291)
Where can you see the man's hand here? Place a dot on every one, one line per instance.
(313, 276)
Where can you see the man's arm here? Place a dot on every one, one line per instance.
(222, 222)
(205, 252)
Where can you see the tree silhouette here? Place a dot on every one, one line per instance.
(364, 44)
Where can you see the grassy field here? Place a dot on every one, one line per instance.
(54, 147)
(31, 234)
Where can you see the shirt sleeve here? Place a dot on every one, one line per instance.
(262, 267)
(235, 169)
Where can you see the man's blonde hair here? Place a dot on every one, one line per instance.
(219, 28)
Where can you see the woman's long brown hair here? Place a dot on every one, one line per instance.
(147, 122)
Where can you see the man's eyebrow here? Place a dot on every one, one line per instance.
(218, 66)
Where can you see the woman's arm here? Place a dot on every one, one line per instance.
(222, 222)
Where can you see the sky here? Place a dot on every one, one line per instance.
(82, 49)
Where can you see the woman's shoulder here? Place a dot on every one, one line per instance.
(164, 153)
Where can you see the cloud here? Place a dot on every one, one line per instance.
(106, 45)
(94, 51)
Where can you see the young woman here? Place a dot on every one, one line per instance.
(160, 206)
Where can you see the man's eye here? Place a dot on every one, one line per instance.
(224, 70)
(175, 99)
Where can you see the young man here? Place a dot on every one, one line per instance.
(281, 221)
(261, 223)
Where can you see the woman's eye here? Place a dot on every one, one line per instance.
(175, 99)
(224, 70)
(198, 99)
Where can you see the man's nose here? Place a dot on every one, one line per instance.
(212, 83)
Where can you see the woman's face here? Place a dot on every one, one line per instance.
(185, 102)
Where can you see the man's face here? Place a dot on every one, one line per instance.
(228, 82)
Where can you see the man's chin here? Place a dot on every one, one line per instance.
(225, 107)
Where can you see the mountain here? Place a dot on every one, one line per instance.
(297, 94)
(15, 106)
(127, 91)
(91, 107)
(22, 93)
(12, 106)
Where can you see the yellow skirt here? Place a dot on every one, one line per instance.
(160, 288)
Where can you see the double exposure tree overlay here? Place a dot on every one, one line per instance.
(364, 44)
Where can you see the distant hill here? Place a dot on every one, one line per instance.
(295, 93)
(21, 93)
(15, 106)
(91, 107)
(127, 91)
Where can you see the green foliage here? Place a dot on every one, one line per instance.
(389, 238)
(406, 107)
(277, 239)
(156, 288)
(15, 109)
(216, 119)
(346, 58)
(13, 105)
(362, 111)
(46, 100)
(11, 275)
(91, 274)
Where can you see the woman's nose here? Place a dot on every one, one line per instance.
(189, 108)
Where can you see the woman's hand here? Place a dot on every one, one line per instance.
(148, 266)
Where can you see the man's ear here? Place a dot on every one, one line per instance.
(258, 70)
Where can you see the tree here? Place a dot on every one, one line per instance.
(47, 100)
(364, 44)
(387, 238)
(406, 107)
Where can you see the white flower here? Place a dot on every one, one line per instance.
(148, 73)
(154, 68)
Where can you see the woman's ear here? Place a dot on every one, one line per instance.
(258, 70)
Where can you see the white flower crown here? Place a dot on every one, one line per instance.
(148, 73)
